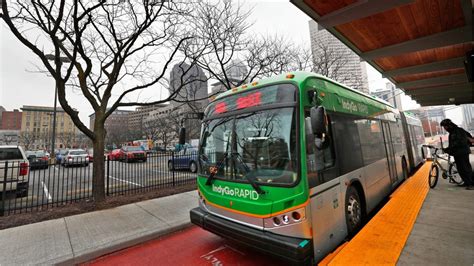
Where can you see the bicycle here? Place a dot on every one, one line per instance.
(451, 172)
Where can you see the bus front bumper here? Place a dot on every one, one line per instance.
(294, 250)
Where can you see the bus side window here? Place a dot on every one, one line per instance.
(348, 145)
(319, 155)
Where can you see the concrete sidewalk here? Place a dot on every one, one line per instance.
(83, 237)
(443, 233)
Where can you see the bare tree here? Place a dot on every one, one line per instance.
(107, 51)
(27, 139)
(225, 50)
(152, 128)
(119, 135)
(325, 60)
(81, 141)
(162, 128)
(67, 139)
(43, 139)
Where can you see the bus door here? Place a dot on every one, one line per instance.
(390, 152)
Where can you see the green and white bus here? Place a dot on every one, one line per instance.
(291, 165)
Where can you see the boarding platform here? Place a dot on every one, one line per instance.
(417, 226)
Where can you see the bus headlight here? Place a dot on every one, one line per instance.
(287, 218)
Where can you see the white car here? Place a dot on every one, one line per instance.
(75, 157)
(17, 167)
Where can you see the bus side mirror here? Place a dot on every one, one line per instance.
(182, 136)
(318, 120)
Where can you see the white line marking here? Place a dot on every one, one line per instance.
(214, 251)
(56, 168)
(45, 189)
(121, 180)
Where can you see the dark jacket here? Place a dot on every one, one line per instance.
(458, 142)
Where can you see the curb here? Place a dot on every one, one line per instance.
(104, 250)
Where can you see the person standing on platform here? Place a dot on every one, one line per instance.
(459, 148)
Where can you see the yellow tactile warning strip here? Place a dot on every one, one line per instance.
(382, 240)
(333, 254)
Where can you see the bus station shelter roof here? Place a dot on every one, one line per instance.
(419, 45)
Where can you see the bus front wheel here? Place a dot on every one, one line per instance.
(353, 211)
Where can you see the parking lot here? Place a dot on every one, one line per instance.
(59, 185)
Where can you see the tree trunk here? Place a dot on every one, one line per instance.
(98, 180)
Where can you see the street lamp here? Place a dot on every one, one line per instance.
(53, 137)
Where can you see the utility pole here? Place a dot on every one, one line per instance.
(53, 137)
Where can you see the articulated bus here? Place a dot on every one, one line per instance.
(291, 165)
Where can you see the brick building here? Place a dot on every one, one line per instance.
(11, 120)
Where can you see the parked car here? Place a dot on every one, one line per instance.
(59, 155)
(128, 154)
(16, 171)
(75, 157)
(184, 159)
(37, 159)
(113, 155)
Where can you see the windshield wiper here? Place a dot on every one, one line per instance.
(215, 170)
(246, 169)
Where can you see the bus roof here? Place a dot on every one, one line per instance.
(300, 76)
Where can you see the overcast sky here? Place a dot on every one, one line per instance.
(20, 85)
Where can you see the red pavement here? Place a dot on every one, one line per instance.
(193, 246)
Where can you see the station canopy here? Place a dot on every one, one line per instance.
(420, 45)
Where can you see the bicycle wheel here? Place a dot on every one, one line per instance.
(433, 176)
(454, 175)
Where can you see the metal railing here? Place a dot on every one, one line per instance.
(49, 185)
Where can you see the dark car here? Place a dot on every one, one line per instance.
(184, 159)
(37, 159)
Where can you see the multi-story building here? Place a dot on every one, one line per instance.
(165, 122)
(188, 85)
(116, 126)
(136, 118)
(236, 73)
(345, 66)
(37, 127)
(11, 120)
(118, 119)
(190, 88)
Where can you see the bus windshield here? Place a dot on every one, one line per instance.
(258, 145)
